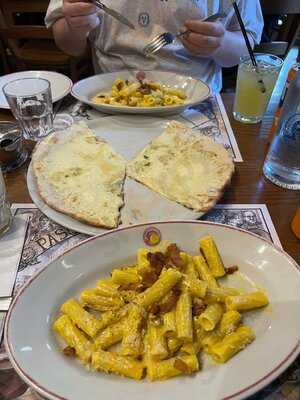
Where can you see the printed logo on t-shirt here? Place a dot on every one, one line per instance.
(144, 19)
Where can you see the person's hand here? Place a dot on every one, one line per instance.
(206, 38)
(81, 16)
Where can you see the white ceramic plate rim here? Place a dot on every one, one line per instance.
(54, 99)
(148, 110)
(241, 394)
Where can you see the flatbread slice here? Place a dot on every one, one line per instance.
(81, 176)
(183, 166)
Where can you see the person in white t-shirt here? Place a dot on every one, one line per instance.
(201, 54)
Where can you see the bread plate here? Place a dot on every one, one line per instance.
(60, 84)
(31, 343)
(141, 203)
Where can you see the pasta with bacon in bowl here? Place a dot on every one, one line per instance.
(158, 317)
(140, 93)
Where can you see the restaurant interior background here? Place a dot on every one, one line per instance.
(26, 44)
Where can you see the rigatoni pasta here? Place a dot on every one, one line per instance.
(140, 94)
(74, 338)
(158, 347)
(110, 336)
(132, 343)
(247, 301)
(184, 317)
(231, 344)
(209, 319)
(204, 271)
(92, 298)
(230, 321)
(111, 362)
(80, 317)
(212, 256)
(158, 317)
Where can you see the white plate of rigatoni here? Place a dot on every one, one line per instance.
(110, 93)
(126, 311)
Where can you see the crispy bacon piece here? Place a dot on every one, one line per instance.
(198, 308)
(231, 270)
(149, 276)
(69, 351)
(170, 303)
(181, 366)
(173, 255)
(145, 89)
(176, 289)
(154, 309)
(157, 261)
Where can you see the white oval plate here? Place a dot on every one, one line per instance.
(127, 137)
(61, 85)
(196, 90)
(34, 351)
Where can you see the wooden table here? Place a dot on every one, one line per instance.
(248, 184)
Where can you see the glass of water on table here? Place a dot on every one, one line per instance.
(254, 87)
(30, 101)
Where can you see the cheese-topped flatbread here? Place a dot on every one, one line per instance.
(183, 166)
(80, 175)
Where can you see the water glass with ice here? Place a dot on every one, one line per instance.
(30, 101)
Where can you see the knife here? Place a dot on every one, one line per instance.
(113, 13)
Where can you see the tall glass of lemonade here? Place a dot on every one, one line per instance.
(252, 97)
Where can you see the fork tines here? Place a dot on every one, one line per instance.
(157, 43)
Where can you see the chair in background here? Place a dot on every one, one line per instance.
(4, 65)
(31, 44)
(289, 12)
(288, 32)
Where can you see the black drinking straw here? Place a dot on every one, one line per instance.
(250, 51)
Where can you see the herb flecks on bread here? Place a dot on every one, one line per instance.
(183, 166)
(81, 176)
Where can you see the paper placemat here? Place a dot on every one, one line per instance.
(11, 244)
(45, 240)
(209, 118)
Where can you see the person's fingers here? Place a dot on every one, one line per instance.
(78, 9)
(203, 41)
(77, 1)
(196, 50)
(90, 21)
(193, 49)
(206, 28)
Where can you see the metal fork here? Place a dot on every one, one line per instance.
(167, 38)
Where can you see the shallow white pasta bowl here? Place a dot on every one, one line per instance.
(35, 354)
(196, 91)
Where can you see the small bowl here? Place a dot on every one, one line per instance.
(12, 151)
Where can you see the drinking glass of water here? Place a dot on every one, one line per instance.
(282, 164)
(5, 213)
(30, 101)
